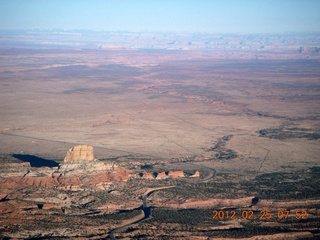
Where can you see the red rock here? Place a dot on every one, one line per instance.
(147, 175)
(175, 174)
(162, 175)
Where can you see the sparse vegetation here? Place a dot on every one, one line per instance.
(147, 166)
(282, 133)
(122, 215)
(222, 153)
(226, 154)
(285, 186)
(220, 143)
(188, 217)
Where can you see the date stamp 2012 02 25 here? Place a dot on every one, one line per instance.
(262, 215)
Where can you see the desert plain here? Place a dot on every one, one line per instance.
(246, 119)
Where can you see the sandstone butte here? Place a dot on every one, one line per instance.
(80, 153)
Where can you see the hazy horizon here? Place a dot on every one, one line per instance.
(222, 17)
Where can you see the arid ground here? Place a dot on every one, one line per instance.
(247, 120)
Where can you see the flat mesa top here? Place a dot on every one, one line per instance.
(80, 153)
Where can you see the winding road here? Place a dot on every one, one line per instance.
(145, 213)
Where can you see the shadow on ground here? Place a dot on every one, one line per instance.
(36, 161)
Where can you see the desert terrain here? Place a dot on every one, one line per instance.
(181, 126)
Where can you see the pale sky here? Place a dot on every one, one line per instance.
(214, 16)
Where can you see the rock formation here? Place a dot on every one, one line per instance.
(165, 174)
(162, 175)
(77, 172)
(147, 175)
(176, 174)
(80, 153)
(196, 174)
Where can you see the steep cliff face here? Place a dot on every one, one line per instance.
(80, 153)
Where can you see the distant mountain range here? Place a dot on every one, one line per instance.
(86, 39)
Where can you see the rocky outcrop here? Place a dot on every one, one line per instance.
(147, 175)
(79, 171)
(175, 174)
(166, 174)
(70, 176)
(196, 174)
(80, 153)
(162, 175)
